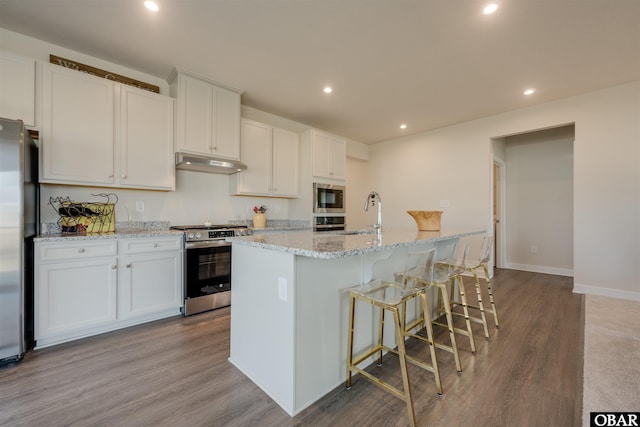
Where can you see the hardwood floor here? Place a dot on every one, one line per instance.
(175, 372)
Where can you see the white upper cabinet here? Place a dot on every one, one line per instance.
(271, 155)
(98, 132)
(146, 140)
(208, 119)
(76, 134)
(286, 149)
(329, 155)
(17, 87)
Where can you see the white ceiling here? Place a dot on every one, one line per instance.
(428, 63)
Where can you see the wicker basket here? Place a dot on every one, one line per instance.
(427, 220)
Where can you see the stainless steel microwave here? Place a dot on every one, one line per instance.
(328, 198)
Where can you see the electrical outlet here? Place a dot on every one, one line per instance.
(444, 203)
(139, 206)
(282, 289)
(534, 249)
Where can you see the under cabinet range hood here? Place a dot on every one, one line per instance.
(193, 162)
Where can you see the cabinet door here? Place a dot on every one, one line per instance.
(146, 140)
(150, 284)
(195, 115)
(328, 156)
(227, 124)
(320, 154)
(17, 87)
(74, 296)
(286, 146)
(338, 158)
(77, 128)
(256, 154)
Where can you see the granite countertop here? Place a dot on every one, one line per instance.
(277, 225)
(123, 230)
(328, 245)
(118, 234)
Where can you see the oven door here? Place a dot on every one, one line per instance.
(208, 276)
(329, 223)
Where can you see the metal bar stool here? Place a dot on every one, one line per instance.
(438, 275)
(447, 273)
(387, 294)
(472, 266)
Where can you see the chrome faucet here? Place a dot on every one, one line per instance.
(372, 199)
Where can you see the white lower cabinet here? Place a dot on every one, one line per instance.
(147, 278)
(74, 298)
(83, 288)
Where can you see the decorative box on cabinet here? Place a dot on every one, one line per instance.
(208, 116)
(17, 87)
(329, 155)
(87, 287)
(271, 155)
(99, 132)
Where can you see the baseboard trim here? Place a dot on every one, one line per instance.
(540, 269)
(606, 292)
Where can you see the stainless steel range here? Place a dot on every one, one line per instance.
(207, 266)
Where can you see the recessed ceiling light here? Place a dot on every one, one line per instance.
(151, 5)
(403, 126)
(490, 8)
(327, 89)
(529, 92)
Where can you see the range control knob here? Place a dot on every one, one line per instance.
(189, 235)
(198, 235)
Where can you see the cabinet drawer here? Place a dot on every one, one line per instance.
(76, 250)
(135, 246)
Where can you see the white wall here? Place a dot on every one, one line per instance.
(198, 197)
(539, 201)
(454, 163)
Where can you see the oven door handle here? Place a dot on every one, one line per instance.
(207, 244)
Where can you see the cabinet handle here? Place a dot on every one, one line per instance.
(114, 266)
(81, 250)
(128, 265)
(110, 176)
(155, 245)
(124, 176)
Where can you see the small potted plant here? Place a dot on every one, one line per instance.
(259, 217)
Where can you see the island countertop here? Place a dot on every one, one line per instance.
(330, 245)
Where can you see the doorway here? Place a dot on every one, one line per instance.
(532, 191)
(498, 178)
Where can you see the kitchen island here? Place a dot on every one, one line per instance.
(289, 309)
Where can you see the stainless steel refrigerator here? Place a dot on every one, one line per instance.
(19, 217)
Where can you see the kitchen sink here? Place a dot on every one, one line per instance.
(354, 232)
